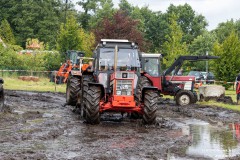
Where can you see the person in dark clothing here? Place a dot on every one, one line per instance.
(237, 80)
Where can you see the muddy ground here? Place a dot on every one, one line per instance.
(38, 126)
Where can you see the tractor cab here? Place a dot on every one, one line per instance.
(151, 64)
(74, 56)
(116, 58)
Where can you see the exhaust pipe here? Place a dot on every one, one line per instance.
(115, 58)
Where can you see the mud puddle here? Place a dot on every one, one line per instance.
(208, 141)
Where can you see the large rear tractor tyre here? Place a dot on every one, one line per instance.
(150, 107)
(1, 98)
(143, 82)
(185, 97)
(92, 105)
(73, 88)
(85, 80)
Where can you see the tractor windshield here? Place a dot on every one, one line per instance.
(73, 57)
(152, 66)
(127, 59)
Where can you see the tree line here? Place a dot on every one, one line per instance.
(178, 31)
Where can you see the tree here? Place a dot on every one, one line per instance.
(89, 6)
(33, 19)
(73, 37)
(120, 26)
(6, 32)
(191, 24)
(126, 7)
(224, 29)
(105, 10)
(68, 37)
(174, 46)
(200, 46)
(227, 66)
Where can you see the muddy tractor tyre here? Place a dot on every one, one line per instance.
(142, 82)
(73, 88)
(1, 98)
(185, 97)
(150, 107)
(85, 80)
(92, 105)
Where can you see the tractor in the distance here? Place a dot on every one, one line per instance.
(114, 84)
(1, 95)
(168, 82)
(72, 63)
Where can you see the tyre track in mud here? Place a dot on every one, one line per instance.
(37, 126)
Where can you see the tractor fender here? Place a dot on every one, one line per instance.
(176, 90)
(1, 81)
(144, 89)
(98, 85)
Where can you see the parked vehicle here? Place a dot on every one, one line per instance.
(169, 82)
(198, 75)
(208, 77)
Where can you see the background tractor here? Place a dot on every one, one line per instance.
(114, 84)
(72, 63)
(168, 82)
(1, 95)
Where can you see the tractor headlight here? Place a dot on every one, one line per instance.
(119, 92)
(129, 93)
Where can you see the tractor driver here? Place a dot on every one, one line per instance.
(90, 64)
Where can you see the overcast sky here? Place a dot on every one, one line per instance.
(215, 11)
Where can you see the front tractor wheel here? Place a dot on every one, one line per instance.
(184, 98)
(73, 88)
(92, 105)
(150, 107)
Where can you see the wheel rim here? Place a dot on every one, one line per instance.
(184, 100)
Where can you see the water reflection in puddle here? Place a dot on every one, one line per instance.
(211, 141)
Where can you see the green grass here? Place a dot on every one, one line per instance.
(42, 85)
(232, 94)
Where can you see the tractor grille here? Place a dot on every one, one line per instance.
(124, 87)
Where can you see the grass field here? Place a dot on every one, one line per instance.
(42, 85)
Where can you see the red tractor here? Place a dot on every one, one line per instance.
(115, 84)
(168, 82)
(72, 63)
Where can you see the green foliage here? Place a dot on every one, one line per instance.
(191, 24)
(9, 59)
(224, 29)
(105, 10)
(68, 37)
(200, 46)
(73, 37)
(174, 47)
(227, 66)
(6, 32)
(33, 19)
